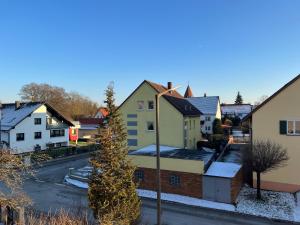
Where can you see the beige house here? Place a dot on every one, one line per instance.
(278, 119)
(179, 119)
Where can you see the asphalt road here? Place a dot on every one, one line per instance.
(49, 193)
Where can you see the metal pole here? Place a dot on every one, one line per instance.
(158, 162)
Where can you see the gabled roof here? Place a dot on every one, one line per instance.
(183, 106)
(207, 105)
(272, 96)
(160, 88)
(188, 93)
(12, 116)
(174, 98)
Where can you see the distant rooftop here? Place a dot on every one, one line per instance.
(14, 113)
(204, 154)
(207, 105)
(233, 108)
(11, 115)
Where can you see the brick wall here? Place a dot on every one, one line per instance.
(190, 184)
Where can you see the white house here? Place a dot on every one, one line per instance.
(211, 109)
(26, 127)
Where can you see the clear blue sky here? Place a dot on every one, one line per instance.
(219, 47)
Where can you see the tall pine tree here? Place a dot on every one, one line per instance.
(239, 99)
(112, 191)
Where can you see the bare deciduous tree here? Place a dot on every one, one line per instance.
(72, 105)
(61, 217)
(12, 170)
(266, 156)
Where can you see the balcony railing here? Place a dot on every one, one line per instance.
(56, 126)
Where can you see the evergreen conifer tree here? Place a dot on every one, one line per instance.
(112, 190)
(217, 126)
(239, 99)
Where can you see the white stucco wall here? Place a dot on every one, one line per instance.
(28, 127)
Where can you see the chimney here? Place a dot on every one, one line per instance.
(204, 94)
(17, 104)
(170, 86)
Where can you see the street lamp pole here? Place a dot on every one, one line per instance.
(157, 110)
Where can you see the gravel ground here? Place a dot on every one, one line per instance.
(275, 205)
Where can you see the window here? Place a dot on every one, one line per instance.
(150, 126)
(185, 125)
(57, 133)
(174, 180)
(297, 127)
(140, 105)
(132, 132)
(37, 135)
(20, 136)
(150, 105)
(37, 121)
(293, 127)
(132, 142)
(208, 128)
(139, 175)
(207, 118)
(131, 115)
(132, 123)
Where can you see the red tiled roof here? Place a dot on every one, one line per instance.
(103, 111)
(90, 121)
(160, 88)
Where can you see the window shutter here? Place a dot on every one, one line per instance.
(283, 127)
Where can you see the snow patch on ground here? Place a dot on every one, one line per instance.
(76, 183)
(297, 209)
(276, 205)
(186, 200)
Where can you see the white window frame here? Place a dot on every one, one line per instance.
(294, 127)
(138, 105)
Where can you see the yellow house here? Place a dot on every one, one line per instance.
(179, 119)
(278, 119)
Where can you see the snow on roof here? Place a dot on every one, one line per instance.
(206, 105)
(222, 169)
(12, 116)
(230, 109)
(152, 149)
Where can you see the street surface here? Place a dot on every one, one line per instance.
(49, 193)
